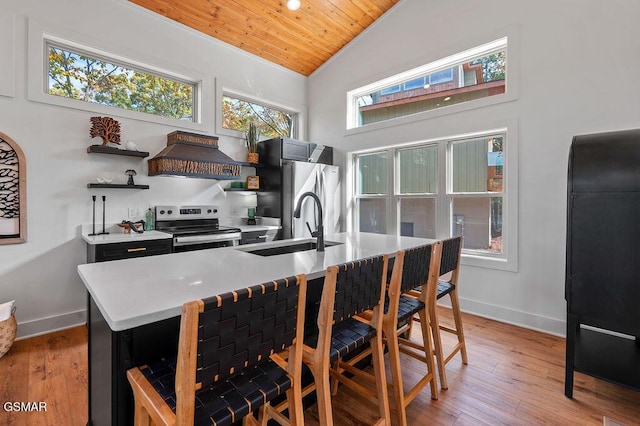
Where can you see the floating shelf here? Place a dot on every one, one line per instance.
(116, 186)
(103, 149)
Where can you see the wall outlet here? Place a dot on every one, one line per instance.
(133, 213)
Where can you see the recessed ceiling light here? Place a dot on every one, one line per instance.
(447, 98)
(293, 4)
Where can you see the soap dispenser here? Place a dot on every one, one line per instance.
(148, 224)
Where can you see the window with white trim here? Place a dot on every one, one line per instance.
(79, 74)
(462, 78)
(271, 121)
(440, 188)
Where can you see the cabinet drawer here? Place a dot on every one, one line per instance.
(258, 236)
(105, 252)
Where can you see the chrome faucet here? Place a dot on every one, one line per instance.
(319, 233)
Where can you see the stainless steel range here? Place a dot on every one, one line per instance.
(195, 227)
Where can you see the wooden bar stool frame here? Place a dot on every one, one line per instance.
(151, 408)
(449, 263)
(318, 358)
(413, 268)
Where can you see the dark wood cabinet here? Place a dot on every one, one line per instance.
(273, 151)
(261, 236)
(126, 250)
(602, 283)
(112, 353)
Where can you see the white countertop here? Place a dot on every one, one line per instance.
(118, 236)
(134, 292)
(250, 228)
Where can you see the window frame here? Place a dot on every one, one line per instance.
(119, 62)
(40, 34)
(224, 87)
(450, 58)
(508, 259)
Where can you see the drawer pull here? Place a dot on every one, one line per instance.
(262, 236)
(136, 249)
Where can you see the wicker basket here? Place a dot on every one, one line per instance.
(8, 330)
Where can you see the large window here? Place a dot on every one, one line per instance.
(271, 122)
(468, 76)
(75, 74)
(436, 189)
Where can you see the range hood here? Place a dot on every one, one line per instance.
(193, 155)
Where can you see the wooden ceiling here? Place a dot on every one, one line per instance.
(300, 40)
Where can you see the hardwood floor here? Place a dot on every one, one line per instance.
(514, 377)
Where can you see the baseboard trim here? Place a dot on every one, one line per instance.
(494, 312)
(50, 324)
(514, 317)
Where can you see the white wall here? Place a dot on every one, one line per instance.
(578, 62)
(41, 274)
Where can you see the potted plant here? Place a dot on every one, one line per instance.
(251, 139)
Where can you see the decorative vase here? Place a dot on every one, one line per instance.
(252, 157)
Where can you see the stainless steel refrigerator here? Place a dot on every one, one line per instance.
(284, 185)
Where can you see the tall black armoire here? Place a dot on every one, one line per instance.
(602, 285)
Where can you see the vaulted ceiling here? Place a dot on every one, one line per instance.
(300, 40)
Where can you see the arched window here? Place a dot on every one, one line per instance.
(13, 192)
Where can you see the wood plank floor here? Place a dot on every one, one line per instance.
(514, 377)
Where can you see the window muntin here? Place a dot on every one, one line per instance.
(467, 76)
(75, 74)
(271, 122)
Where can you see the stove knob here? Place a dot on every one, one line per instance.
(161, 211)
(209, 211)
(170, 212)
(215, 210)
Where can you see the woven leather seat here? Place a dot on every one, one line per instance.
(228, 364)
(346, 337)
(349, 289)
(240, 394)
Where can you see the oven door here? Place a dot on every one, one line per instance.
(207, 241)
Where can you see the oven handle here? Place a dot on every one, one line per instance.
(195, 239)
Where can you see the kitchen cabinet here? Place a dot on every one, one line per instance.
(126, 250)
(259, 236)
(273, 151)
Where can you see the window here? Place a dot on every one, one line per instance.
(80, 75)
(476, 192)
(372, 180)
(271, 122)
(417, 177)
(441, 188)
(465, 77)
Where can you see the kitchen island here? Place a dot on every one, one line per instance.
(134, 305)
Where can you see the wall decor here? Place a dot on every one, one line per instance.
(253, 182)
(13, 192)
(107, 128)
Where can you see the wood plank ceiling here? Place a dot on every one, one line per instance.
(300, 40)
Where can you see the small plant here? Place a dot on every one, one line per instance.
(251, 138)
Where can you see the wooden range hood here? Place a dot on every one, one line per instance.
(193, 155)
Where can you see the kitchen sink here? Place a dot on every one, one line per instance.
(291, 248)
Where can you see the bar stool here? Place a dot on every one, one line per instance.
(449, 264)
(227, 365)
(413, 269)
(349, 289)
